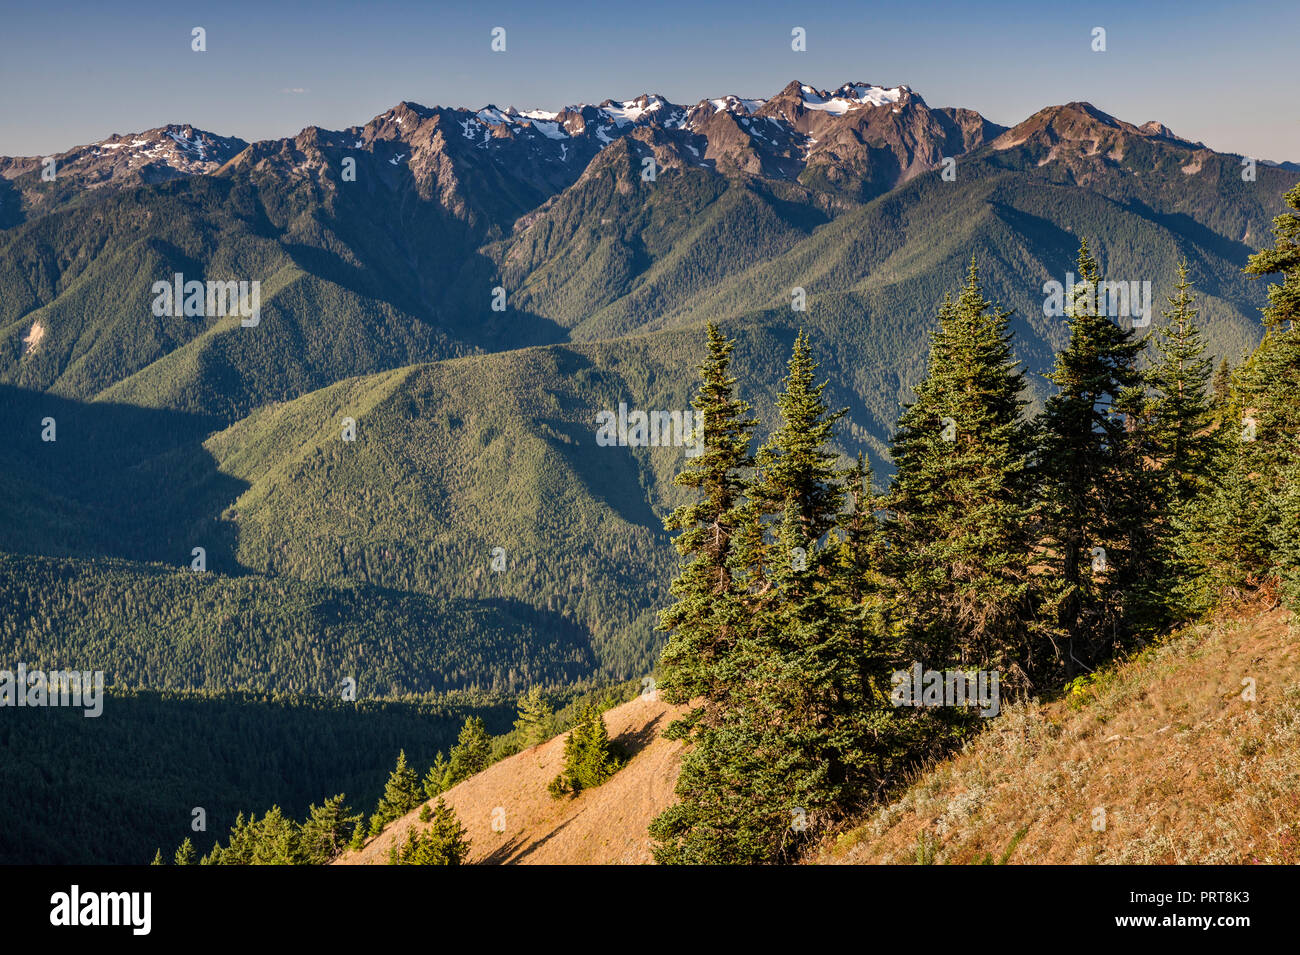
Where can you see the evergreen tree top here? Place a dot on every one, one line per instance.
(1284, 257)
(1100, 361)
(796, 462)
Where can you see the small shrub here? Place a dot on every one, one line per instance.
(927, 848)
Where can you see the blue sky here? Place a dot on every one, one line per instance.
(73, 73)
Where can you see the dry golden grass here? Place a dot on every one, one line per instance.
(606, 825)
(1185, 768)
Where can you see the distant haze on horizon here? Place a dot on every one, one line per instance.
(75, 73)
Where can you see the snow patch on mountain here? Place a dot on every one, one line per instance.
(734, 104)
(633, 111)
(851, 96)
(550, 130)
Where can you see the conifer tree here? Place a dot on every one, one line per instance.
(450, 845)
(443, 842)
(1096, 510)
(860, 541)
(471, 754)
(722, 823)
(324, 834)
(800, 659)
(960, 516)
(797, 654)
(157, 858)
(790, 757)
(1180, 406)
(401, 794)
(1286, 536)
(796, 465)
(708, 613)
(1249, 537)
(534, 719)
(1232, 531)
(589, 756)
(595, 760)
(1271, 381)
(704, 592)
(186, 854)
(408, 850)
(1283, 258)
(239, 849)
(1184, 445)
(276, 841)
(435, 780)
(869, 610)
(358, 840)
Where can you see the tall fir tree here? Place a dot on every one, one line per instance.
(534, 722)
(703, 591)
(239, 848)
(402, 793)
(960, 514)
(1282, 259)
(860, 540)
(1286, 535)
(1180, 406)
(435, 780)
(1185, 437)
(471, 754)
(1263, 542)
(1096, 511)
(1231, 534)
(798, 477)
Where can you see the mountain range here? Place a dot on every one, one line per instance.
(472, 287)
(833, 135)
